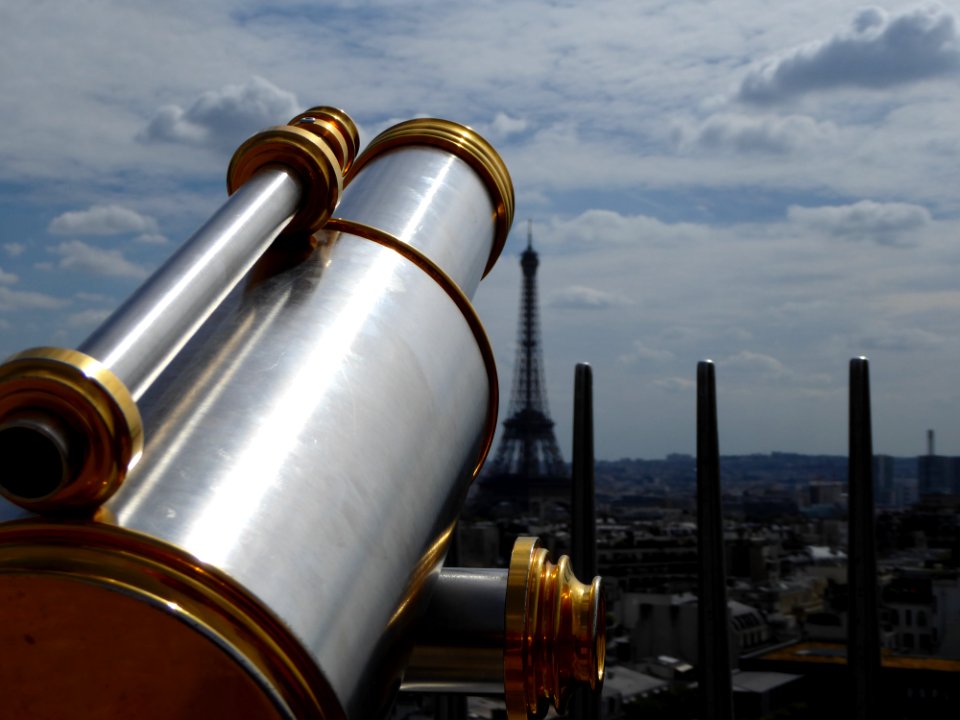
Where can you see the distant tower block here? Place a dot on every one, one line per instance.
(930, 445)
(528, 448)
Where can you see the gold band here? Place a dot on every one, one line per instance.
(318, 146)
(93, 403)
(307, 156)
(336, 128)
(466, 144)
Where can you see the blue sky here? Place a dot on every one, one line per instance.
(774, 187)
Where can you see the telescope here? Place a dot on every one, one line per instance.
(235, 498)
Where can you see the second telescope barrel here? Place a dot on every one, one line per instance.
(70, 422)
(142, 336)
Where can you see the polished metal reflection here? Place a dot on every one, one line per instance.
(317, 462)
(440, 191)
(139, 339)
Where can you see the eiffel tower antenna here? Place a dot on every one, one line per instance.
(528, 448)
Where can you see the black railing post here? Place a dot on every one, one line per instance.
(863, 630)
(716, 686)
(583, 540)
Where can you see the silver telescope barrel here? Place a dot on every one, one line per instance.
(76, 409)
(309, 451)
(437, 169)
(141, 338)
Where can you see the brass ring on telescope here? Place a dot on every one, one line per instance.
(336, 127)
(352, 227)
(526, 564)
(94, 407)
(554, 632)
(128, 583)
(468, 145)
(308, 155)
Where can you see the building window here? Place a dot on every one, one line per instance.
(908, 617)
(921, 618)
(907, 640)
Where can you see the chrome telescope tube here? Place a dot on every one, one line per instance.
(310, 448)
(76, 409)
(141, 338)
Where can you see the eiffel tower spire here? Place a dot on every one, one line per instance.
(528, 448)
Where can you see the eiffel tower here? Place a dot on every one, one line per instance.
(527, 467)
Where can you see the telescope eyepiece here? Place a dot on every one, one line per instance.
(38, 455)
(69, 431)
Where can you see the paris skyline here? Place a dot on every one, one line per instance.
(774, 188)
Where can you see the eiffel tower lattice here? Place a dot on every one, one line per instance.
(528, 448)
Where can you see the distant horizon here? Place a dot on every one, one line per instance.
(758, 454)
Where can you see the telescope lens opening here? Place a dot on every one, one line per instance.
(34, 460)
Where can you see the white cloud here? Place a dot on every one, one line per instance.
(222, 118)
(642, 352)
(608, 227)
(757, 364)
(7, 278)
(87, 318)
(28, 300)
(76, 255)
(102, 220)
(884, 223)
(502, 127)
(908, 339)
(151, 239)
(578, 297)
(14, 249)
(93, 297)
(675, 384)
(877, 51)
(767, 134)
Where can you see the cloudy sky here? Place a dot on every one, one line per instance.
(773, 186)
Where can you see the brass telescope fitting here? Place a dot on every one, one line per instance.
(70, 430)
(318, 145)
(533, 632)
(468, 145)
(555, 632)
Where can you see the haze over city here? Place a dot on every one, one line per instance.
(771, 187)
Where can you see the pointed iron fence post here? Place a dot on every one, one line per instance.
(863, 630)
(716, 686)
(583, 541)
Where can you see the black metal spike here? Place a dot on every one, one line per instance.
(716, 686)
(583, 541)
(863, 630)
